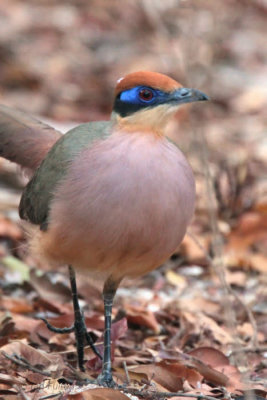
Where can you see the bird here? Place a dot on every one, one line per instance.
(110, 199)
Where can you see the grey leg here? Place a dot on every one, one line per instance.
(79, 327)
(109, 291)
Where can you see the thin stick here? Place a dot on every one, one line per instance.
(21, 392)
(251, 349)
(25, 364)
(239, 357)
(254, 339)
(126, 373)
(161, 395)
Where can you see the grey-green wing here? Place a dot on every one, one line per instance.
(36, 198)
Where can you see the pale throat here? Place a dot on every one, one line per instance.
(153, 120)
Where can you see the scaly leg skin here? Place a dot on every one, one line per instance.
(105, 378)
(79, 327)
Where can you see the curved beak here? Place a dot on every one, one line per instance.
(185, 95)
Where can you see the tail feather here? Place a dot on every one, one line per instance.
(23, 139)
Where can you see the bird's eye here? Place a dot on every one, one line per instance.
(146, 94)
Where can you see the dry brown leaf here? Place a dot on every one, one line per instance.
(49, 291)
(4, 378)
(217, 360)
(24, 323)
(16, 305)
(210, 356)
(169, 374)
(135, 377)
(203, 324)
(251, 228)
(237, 278)
(50, 362)
(258, 262)
(199, 304)
(171, 381)
(194, 248)
(143, 317)
(9, 229)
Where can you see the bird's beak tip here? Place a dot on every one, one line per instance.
(205, 97)
(197, 95)
(185, 95)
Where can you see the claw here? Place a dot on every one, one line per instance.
(58, 330)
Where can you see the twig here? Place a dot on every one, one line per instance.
(162, 395)
(21, 392)
(251, 349)
(24, 363)
(240, 358)
(169, 395)
(202, 248)
(50, 396)
(254, 339)
(126, 373)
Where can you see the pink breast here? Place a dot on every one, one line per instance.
(124, 206)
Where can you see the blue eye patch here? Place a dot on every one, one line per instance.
(137, 98)
(134, 95)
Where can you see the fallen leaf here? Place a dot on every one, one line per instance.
(52, 363)
(258, 262)
(169, 374)
(9, 229)
(48, 290)
(16, 305)
(103, 394)
(202, 324)
(143, 317)
(251, 228)
(210, 356)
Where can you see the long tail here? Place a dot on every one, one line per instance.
(24, 139)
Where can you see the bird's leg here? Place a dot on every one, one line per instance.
(79, 327)
(79, 324)
(105, 378)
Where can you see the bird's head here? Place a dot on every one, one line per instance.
(146, 100)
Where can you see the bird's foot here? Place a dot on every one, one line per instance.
(81, 335)
(105, 379)
(58, 330)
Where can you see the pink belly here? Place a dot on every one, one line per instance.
(123, 208)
